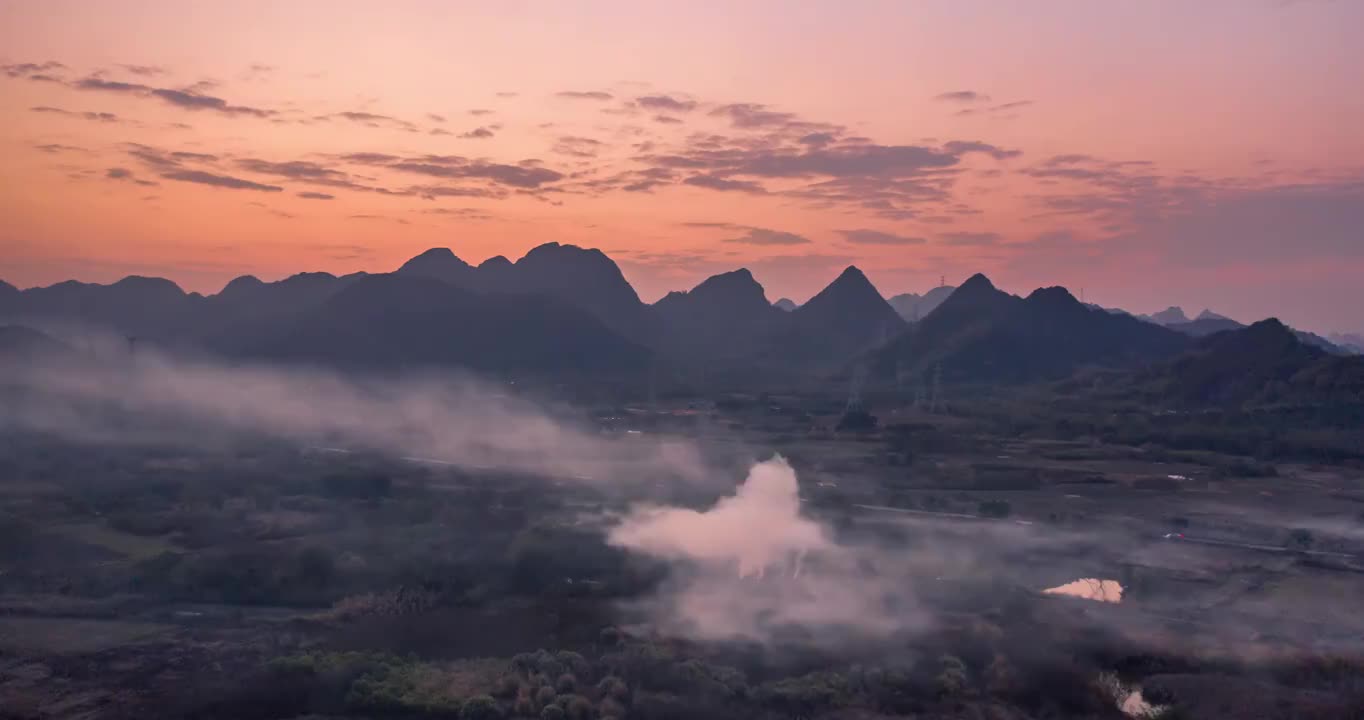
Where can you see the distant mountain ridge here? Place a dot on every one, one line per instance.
(1169, 316)
(723, 319)
(1266, 363)
(912, 307)
(981, 334)
(389, 321)
(842, 321)
(974, 332)
(584, 277)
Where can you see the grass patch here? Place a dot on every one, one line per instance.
(66, 636)
(132, 547)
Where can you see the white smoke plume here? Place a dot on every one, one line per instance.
(753, 565)
(757, 528)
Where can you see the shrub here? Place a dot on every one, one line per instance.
(806, 695)
(566, 684)
(613, 687)
(950, 682)
(1000, 676)
(576, 664)
(578, 707)
(507, 686)
(609, 708)
(480, 707)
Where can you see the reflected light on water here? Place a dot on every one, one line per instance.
(1090, 589)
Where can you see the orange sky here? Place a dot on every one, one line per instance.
(1155, 153)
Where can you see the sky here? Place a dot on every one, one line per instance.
(1202, 154)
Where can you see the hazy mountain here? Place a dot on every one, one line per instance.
(982, 334)
(8, 294)
(1318, 341)
(1209, 323)
(913, 307)
(1233, 366)
(724, 318)
(1205, 326)
(1169, 316)
(135, 305)
(395, 321)
(1264, 363)
(1210, 315)
(844, 320)
(584, 277)
(247, 308)
(786, 304)
(24, 344)
(1353, 342)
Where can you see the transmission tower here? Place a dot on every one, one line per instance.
(855, 389)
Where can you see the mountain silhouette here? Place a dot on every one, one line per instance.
(844, 320)
(403, 321)
(982, 334)
(1263, 363)
(247, 308)
(442, 264)
(1169, 316)
(1204, 326)
(135, 305)
(496, 272)
(1209, 323)
(583, 277)
(587, 278)
(724, 318)
(912, 307)
(578, 298)
(786, 304)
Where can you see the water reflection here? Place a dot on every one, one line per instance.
(1090, 589)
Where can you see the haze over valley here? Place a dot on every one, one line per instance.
(613, 360)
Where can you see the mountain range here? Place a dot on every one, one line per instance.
(1266, 363)
(983, 334)
(566, 308)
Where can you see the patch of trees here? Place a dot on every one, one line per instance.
(257, 574)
